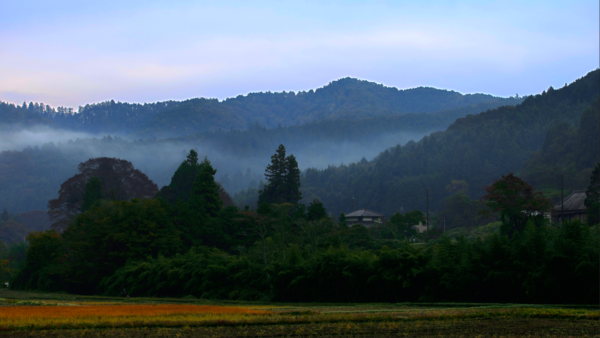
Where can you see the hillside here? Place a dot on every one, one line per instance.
(342, 99)
(476, 149)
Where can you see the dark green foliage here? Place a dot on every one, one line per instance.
(102, 239)
(204, 195)
(459, 210)
(567, 150)
(201, 272)
(93, 193)
(182, 180)
(316, 210)
(44, 267)
(592, 200)
(342, 220)
(4, 215)
(400, 225)
(283, 180)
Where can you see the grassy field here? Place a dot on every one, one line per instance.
(30, 314)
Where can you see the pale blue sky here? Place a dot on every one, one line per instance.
(76, 52)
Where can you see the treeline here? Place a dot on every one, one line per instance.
(32, 176)
(188, 241)
(342, 99)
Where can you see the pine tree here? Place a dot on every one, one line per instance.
(274, 190)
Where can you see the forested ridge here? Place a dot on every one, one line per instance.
(474, 149)
(342, 99)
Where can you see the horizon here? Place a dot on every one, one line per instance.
(71, 54)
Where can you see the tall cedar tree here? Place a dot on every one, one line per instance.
(4, 216)
(592, 199)
(183, 179)
(517, 202)
(283, 180)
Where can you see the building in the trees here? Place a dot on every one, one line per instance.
(365, 217)
(574, 208)
(421, 228)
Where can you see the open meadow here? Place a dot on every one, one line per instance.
(29, 314)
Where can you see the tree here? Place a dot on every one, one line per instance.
(283, 180)
(4, 216)
(205, 191)
(592, 199)
(316, 210)
(342, 220)
(402, 223)
(517, 202)
(93, 193)
(292, 181)
(182, 180)
(274, 190)
(114, 174)
(102, 239)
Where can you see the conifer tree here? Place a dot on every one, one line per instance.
(4, 216)
(283, 180)
(205, 191)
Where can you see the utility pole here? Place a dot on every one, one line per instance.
(427, 219)
(562, 200)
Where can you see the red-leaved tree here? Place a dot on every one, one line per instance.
(120, 180)
(517, 202)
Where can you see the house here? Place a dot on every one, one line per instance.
(573, 207)
(365, 217)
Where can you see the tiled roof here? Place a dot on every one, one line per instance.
(573, 202)
(364, 212)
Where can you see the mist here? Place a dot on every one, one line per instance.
(159, 159)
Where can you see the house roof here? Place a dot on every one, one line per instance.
(364, 212)
(573, 202)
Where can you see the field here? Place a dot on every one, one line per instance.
(27, 314)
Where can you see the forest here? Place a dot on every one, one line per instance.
(191, 240)
(162, 220)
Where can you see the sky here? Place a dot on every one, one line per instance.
(70, 53)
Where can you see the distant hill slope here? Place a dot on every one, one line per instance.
(342, 99)
(475, 149)
(570, 150)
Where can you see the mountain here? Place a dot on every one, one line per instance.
(476, 149)
(342, 99)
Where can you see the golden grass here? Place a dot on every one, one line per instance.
(173, 316)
